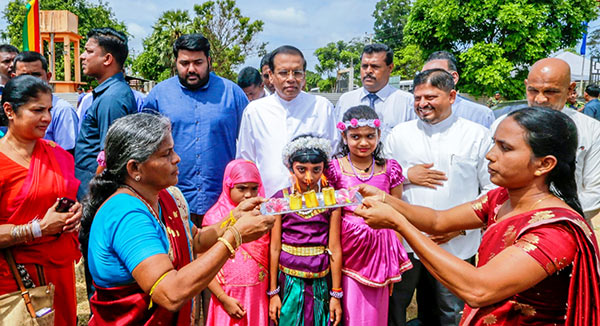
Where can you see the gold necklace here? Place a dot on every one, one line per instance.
(539, 201)
(25, 158)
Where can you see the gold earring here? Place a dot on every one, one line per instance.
(538, 173)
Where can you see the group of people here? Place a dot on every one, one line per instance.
(463, 208)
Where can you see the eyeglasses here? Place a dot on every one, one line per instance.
(297, 74)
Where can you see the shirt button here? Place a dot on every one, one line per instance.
(197, 139)
(197, 122)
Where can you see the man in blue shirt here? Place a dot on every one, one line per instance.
(205, 112)
(65, 124)
(103, 58)
(592, 107)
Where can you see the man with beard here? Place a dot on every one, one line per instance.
(457, 148)
(271, 122)
(103, 58)
(549, 84)
(205, 112)
(391, 104)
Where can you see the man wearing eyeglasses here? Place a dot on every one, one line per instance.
(271, 122)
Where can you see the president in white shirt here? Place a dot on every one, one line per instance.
(269, 123)
(442, 143)
(391, 104)
(549, 85)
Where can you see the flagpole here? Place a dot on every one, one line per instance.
(582, 52)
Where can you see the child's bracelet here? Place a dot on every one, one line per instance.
(336, 294)
(274, 292)
(220, 295)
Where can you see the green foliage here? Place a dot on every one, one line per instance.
(91, 15)
(593, 43)
(496, 40)
(157, 62)
(408, 61)
(336, 56)
(326, 85)
(230, 34)
(390, 19)
(312, 79)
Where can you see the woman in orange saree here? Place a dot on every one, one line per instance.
(538, 259)
(33, 174)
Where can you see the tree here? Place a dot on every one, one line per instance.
(496, 40)
(593, 43)
(91, 15)
(390, 18)
(157, 62)
(408, 61)
(231, 35)
(336, 56)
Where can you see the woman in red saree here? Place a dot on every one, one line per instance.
(137, 236)
(538, 259)
(33, 174)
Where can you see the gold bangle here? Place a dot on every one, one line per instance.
(383, 198)
(237, 235)
(228, 245)
(220, 295)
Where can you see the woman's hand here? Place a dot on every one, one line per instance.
(251, 224)
(369, 191)
(73, 223)
(275, 308)
(377, 214)
(335, 311)
(54, 222)
(233, 307)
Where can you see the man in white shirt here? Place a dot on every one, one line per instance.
(456, 147)
(391, 104)
(463, 107)
(549, 85)
(269, 123)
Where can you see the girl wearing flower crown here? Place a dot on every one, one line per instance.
(372, 259)
(305, 246)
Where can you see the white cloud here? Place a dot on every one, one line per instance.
(287, 16)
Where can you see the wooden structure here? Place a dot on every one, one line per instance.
(60, 26)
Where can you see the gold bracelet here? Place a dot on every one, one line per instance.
(383, 198)
(237, 235)
(220, 295)
(228, 245)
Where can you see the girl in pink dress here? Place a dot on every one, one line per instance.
(239, 289)
(371, 259)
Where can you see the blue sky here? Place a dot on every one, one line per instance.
(307, 24)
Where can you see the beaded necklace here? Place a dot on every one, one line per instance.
(356, 173)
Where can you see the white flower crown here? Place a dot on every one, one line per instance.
(321, 144)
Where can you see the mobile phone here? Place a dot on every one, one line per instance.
(64, 204)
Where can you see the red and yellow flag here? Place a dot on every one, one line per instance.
(31, 27)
